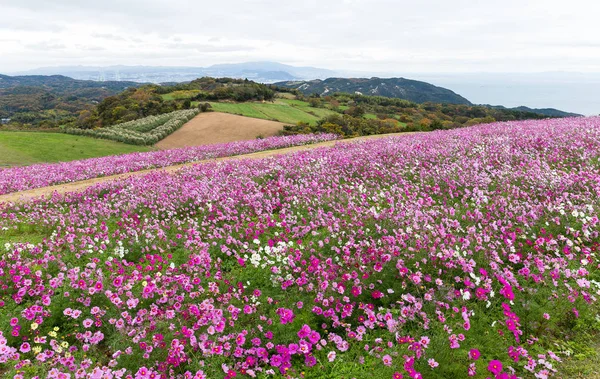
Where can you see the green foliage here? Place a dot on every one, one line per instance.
(347, 126)
(50, 101)
(206, 88)
(392, 115)
(204, 107)
(132, 104)
(152, 100)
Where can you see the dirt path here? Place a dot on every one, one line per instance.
(217, 127)
(82, 185)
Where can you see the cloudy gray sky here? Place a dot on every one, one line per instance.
(363, 35)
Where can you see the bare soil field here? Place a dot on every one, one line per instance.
(215, 127)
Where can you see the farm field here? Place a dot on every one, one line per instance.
(463, 253)
(25, 148)
(216, 127)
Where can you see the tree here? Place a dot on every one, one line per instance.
(436, 125)
(357, 111)
(204, 107)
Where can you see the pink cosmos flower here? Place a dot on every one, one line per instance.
(387, 360)
(310, 361)
(304, 331)
(240, 339)
(495, 367)
(25, 347)
(331, 356)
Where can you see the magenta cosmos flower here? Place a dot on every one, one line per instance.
(495, 367)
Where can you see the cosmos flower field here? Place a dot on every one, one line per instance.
(454, 254)
(41, 175)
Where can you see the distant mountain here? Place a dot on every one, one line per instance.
(262, 72)
(61, 84)
(412, 90)
(261, 67)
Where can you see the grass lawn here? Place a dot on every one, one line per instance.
(24, 148)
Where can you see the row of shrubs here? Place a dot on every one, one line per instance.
(145, 131)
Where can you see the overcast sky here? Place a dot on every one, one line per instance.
(364, 35)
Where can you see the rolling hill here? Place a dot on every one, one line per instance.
(412, 90)
(51, 100)
(60, 83)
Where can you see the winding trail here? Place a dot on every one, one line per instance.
(23, 196)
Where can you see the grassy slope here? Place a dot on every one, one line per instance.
(279, 111)
(283, 110)
(23, 148)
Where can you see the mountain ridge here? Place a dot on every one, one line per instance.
(59, 82)
(412, 90)
(260, 71)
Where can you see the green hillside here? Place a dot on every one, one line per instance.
(401, 88)
(24, 148)
(283, 110)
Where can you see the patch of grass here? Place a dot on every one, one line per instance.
(286, 113)
(24, 148)
(180, 95)
(243, 109)
(293, 102)
(370, 116)
(284, 110)
(24, 233)
(285, 95)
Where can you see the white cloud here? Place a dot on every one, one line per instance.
(369, 35)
